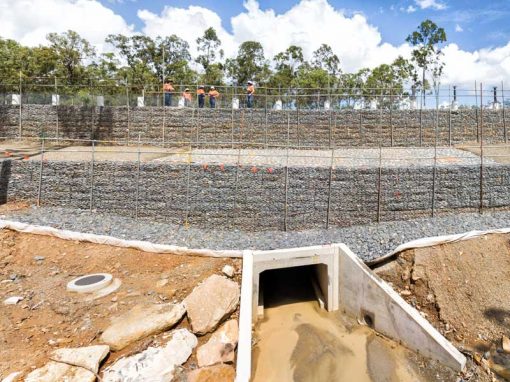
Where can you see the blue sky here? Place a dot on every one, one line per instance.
(483, 24)
(363, 34)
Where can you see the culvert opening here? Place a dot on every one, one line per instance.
(285, 286)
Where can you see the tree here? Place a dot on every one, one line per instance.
(427, 54)
(287, 64)
(354, 84)
(208, 45)
(325, 59)
(249, 64)
(72, 53)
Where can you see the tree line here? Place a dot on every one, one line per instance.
(144, 62)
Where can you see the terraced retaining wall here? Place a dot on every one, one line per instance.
(255, 127)
(281, 198)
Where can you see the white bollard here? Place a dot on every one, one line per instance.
(100, 101)
(278, 105)
(235, 103)
(140, 101)
(16, 99)
(55, 99)
(327, 105)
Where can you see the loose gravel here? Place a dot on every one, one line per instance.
(367, 241)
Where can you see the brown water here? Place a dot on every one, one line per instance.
(297, 341)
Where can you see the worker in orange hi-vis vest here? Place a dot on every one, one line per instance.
(168, 89)
(201, 96)
(213, 94)
(250, 90)
(187, 97)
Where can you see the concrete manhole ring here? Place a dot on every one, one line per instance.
(89, 283)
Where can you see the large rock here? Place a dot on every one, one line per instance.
(210, 302)
(88, 357)
(141, 321)
(221, 346)
(60, 372)
(153, 364)
(216, 373)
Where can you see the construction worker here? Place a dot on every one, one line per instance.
(168, 89)
(250, 90)
(201, 96)
(187, 97)
(213, 94)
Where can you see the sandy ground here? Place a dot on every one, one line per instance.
(463, 289)
(392, 156)
(49, 317)
(497, 153)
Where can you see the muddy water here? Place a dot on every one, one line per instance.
(297, 341)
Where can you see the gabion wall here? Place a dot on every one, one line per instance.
(254, 127)
(276, 199)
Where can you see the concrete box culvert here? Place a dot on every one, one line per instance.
(347, 284)
(89, 283)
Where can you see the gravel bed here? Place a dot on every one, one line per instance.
(344, 157)
(368, 241)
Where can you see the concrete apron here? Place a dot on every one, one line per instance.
(346, 284)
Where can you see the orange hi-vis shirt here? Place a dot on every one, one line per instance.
(187, 96)
(250, 89)
(168, 88)
(214, 93)
(200, 91)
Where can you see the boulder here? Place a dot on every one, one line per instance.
(216, 373)
(141, 321)
(155, 364)
(228, 270)
(13, 377)
(59, 372)
(88, 357)
(221, 346)
(210, 302)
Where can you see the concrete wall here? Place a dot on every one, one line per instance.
(252, 127)
(236, 197)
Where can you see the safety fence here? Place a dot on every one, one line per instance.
(54, 91)
(258, 189)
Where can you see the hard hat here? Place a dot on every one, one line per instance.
(212, 87)
(186, 90)
(201, 87)
(250, 83)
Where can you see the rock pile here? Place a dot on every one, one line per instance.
(206, 307)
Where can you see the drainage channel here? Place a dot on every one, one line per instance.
(297, 340)
(320, 313)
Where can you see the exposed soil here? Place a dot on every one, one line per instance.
(463, 289)
(49, 317)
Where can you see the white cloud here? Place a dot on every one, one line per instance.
(488, 65)
(411, 9)
(29, 21)
(458, 28)
(434, 4)
(307, 24)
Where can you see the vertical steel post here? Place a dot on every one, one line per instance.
(481, 148)
(20, 103)
(379, 191)
(505, 134)
(434, 170)
(449, 118)
(330, 182)
(92, 164)
(39, 190)
(127, 104)
(137, 179)
(57, 101)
